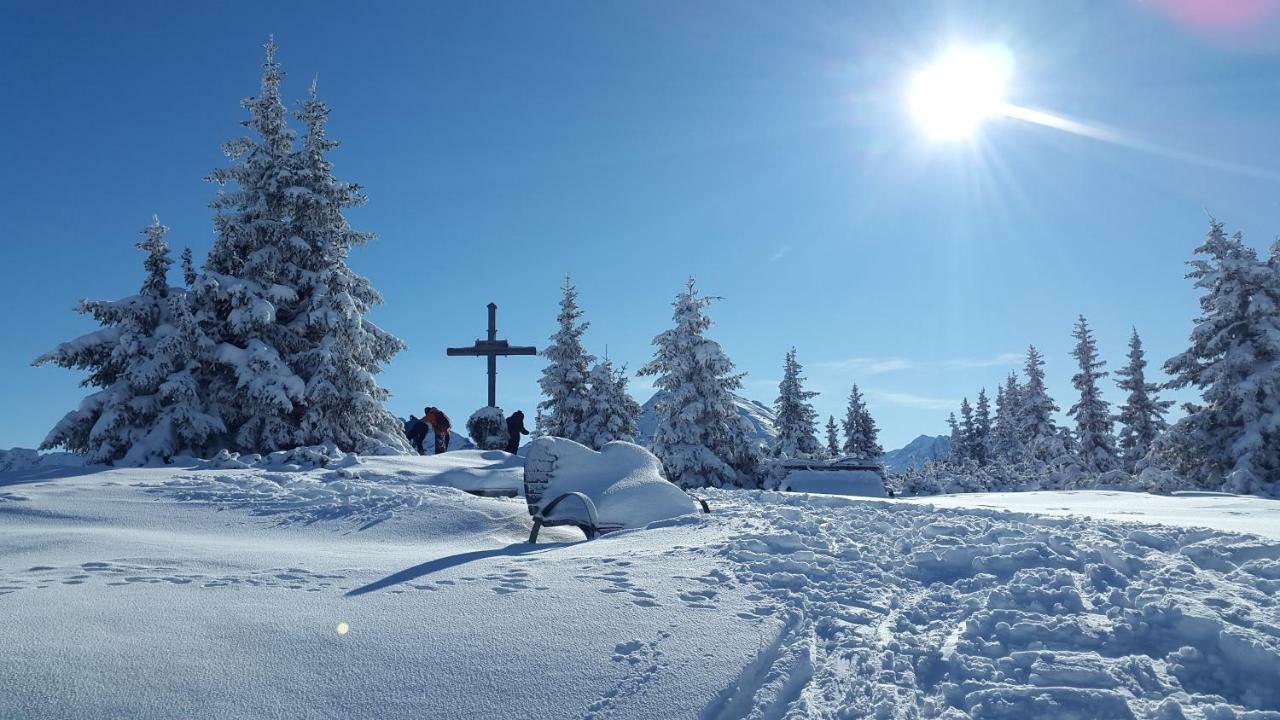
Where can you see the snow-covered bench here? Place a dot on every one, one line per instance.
(621, 486)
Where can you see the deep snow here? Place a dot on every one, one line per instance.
(203, 592)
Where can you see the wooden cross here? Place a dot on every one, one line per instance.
(491, 349)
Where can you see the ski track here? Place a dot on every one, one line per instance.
(892, 612)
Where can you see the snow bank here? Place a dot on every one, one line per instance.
(19, 459)
(623, 480)
(857, 483)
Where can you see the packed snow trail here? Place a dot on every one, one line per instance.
(215, 592)
(897, 611)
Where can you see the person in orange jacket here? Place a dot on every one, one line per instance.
(440, 425)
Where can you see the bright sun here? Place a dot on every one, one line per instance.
(951, 97)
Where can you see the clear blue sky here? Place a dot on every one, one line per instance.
(763, 147)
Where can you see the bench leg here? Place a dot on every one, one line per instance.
(533, 534)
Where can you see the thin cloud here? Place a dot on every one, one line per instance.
(911, 400)
(782, 252)
(876, 366)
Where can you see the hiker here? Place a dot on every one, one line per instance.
(416, 430)
(439, 423)
(515, 428)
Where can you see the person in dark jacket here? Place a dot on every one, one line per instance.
(515, 428)
(439, 423)
(417, 432)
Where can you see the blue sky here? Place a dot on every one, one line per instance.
(763, 147)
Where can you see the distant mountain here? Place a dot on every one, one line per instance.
(917, 452)
(758, 414)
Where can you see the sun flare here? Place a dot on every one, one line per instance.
(953, 96)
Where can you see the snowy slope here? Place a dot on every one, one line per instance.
(194, 592)
(758, 414)
(917, 452)
(1232, 513)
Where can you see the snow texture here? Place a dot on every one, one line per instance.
(123, 600)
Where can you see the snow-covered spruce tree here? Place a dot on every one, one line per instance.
(959, 448)
(612, 413)
(1095, 443)
(1006, 432)
(868, 431)
(796, 419)
(1231, 439)
(982, 429)
(294, 357)
(1039, 433)
(565, 381)
(144, 358)
(968, 432)
(344, 350)
(700, 438)
(1142, 415)
(860, 429)
(833, 438)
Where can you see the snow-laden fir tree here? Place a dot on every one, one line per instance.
(959, 448)
(343, 350)
(833, 438)
(294, 357)
(565, 381)
(968, 432)
(1037, 429)
(1006, 431)
(860, 429)
(1142, 414)
(1231, 439)
(612, 414)
(700, 437)
(982, 429)
(796, 419)
(144, 359)
(1095, 443)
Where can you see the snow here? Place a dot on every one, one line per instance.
(193, 591)
(1222, 511)
(623, 480)
(861, 483)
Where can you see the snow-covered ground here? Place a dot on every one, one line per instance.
(1232, 513)
(201, 592)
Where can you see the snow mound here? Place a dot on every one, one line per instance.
(856, 483)
(623, 480)
(20, 459)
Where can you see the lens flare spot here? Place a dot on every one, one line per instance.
(343, 628)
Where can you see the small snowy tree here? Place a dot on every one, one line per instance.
(968, 432)
(150, 406)
(1095, 444)
(1006, 432)
(1039, 433)
(1231, 439)
(959, 448)
(565, 381)
(612, 414)
(1142, 415)
(860, 429)
(796, 418)
(833, 438)
(700, 438)
(982, 428)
